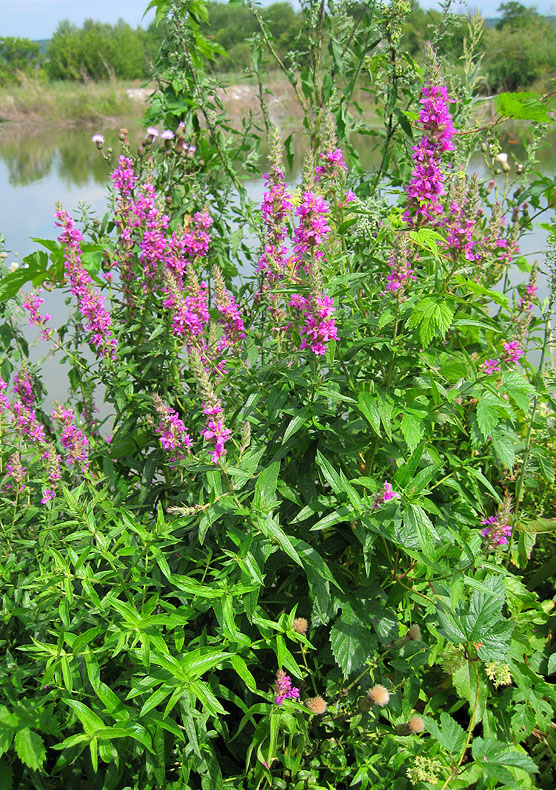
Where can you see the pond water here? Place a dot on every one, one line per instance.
(40, 167)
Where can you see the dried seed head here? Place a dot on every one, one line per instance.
(379, 695)
(414, 633)
(316, 705)
(300, 625)
(416, 724)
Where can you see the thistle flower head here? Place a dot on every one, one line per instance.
(317, 705)
(416, 724)
(379, 695)
(414, 633)
(300, 625)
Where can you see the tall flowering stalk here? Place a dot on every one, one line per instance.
(215, 432)
(171, 430)
(276, 210)
(427, 183)
(89, 301)
(401, 271)
(230, 318)
(74, 440)
(153, 224)
(124, 179)
(284, 688)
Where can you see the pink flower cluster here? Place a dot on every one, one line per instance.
(230, 318)
(333, 164)
(401, 272)
(386, 496)
(90, 302)
(74, 440)
(171, 429)
(318, 327)
(513, 352)
(495, 534)
(31, 303)
(283, 687)
(313, 227)
(426, 185)
(30, 432)
(23, 388)
(276, 209)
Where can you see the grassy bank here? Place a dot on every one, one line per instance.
(36, 103)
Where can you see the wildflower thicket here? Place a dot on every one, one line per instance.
(293, 526)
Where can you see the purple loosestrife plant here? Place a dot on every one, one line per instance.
(89, 301)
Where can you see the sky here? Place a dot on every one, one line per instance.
(38, 19)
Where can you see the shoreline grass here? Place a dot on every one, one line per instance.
(71, 103)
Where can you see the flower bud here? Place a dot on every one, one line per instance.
(300, 625)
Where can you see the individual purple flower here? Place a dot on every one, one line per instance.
(216, 434)
(283, 687)
(152, 132)
(89, 300)
(490, 366)
(386, 496)
(167, 134)
(495, 533)
(333, 164)
(98, 139)
(513, 351)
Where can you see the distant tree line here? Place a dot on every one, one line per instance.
(518, 49)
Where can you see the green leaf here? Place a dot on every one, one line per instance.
(485, 608)
(412, 428)
(6, 775)
(551, 664)
(265, 487)
(351, 642)
(537, 526)
(451, 735)
(488, 413)
(35, 273)
(524, 105)
(369, 409)
(433, 318)
(30, 749)
(504, 441)
(296, 423)
(494, 755)
(276, 534)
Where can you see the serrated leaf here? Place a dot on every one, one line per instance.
(490, 752)
(450, 735)
(412, 428)
(523, 105)
(30, 749)
(551, 664)
(488, 413)
(485, 608)
(351, 642)
(504, 441)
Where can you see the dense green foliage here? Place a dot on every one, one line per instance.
(18, 57)
(161, 597)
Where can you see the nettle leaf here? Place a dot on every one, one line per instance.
(495, 643)
(412, 428)
(350, 640)
(485, 608)
(494, 756)
(524, 105)
(523, 721)
(451, 735)
(489, 411)
(518, 388)
(432, 317)
(504, 441)
(30, 749)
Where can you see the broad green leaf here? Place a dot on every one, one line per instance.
(493, 754)
(450, 735)
(523, 105)
(265, 487)
(276, 534)
(30, 749)
(351, 641)
(412, 428)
